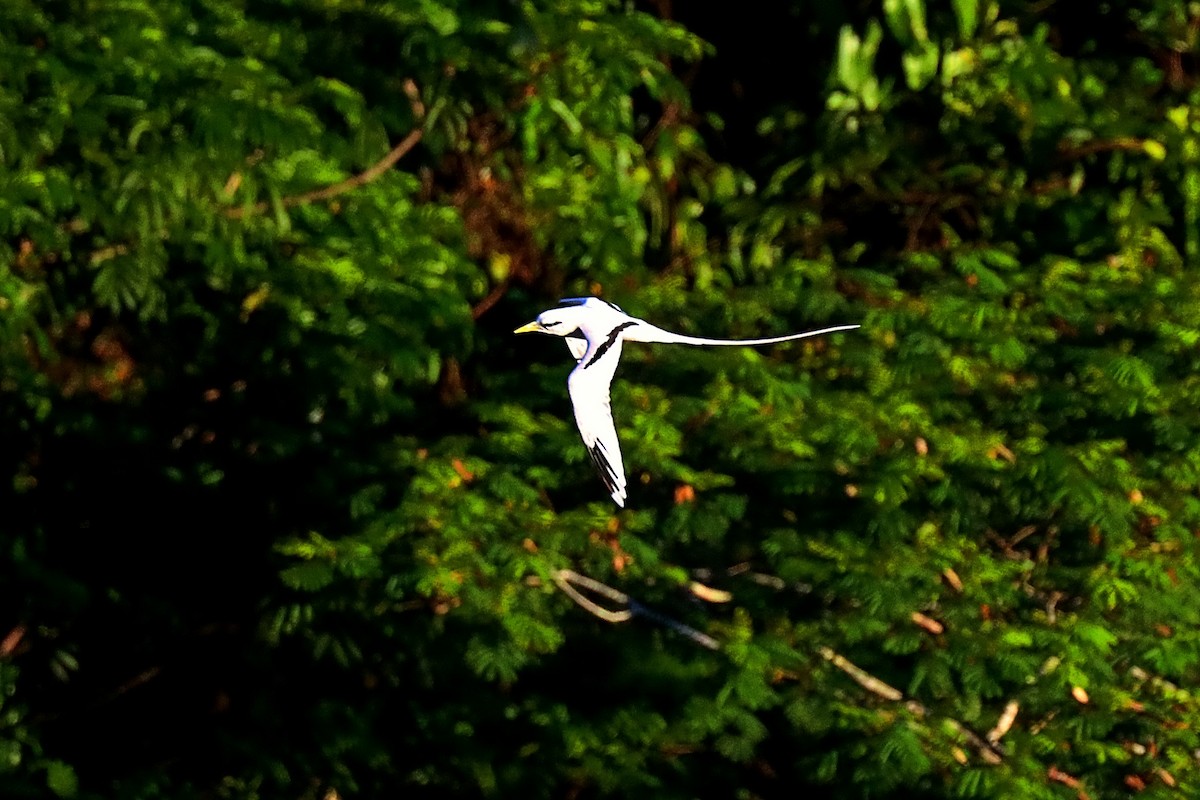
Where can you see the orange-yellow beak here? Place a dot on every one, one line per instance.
(532, 327)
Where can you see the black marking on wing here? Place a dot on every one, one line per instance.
(614, 305)
(604, 346)
(568, 302)
(607, 473)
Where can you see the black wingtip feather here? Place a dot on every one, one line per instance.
(607, 473)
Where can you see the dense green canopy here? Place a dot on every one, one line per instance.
(284, 502)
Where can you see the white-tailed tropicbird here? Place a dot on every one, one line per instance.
(594, 330)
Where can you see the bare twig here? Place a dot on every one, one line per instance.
(485, 305)
(105, 253)
(325, 193)
(143, 677)
(1005, 723)
(952, 579)
(861, 676)
(708, 593)
(928, 623)
(1119, 143)
(988, 751)
(1052, 606)
(1058, 776)
(564, 578)
(353, 182)
(371, 173)
(989, 748)
(1022, 535)
(9, 643)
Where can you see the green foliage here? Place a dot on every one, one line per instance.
(287, 500)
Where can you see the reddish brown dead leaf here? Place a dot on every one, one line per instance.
(709, 594)
(928, 623)
(1000, 451)
(10, 642)
(952, 579)
(684, 494)
(462, 470)
(1058, 776)
(1005, 722)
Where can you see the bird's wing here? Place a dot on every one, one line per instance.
(577, 345)
(645, 332)
(589, 385)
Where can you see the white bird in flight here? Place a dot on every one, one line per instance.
(594, 330)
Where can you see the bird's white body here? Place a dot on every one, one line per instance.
(594, 331)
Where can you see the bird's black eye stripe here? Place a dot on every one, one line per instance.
(608, 343)
(551, 324)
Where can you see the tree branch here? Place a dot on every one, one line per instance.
(355, 181)
(565, 577)
(371, 173)
(493, 297)
(989, 751)
(381, 166)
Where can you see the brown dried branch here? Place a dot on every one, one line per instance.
(708, 593)
(1070, 781)
(1005, 723)
(105, 253)
(239, 212)
(371, 173)
(493, 297)
(1119, 143)
(952, 580)
(928, 623)
(355, 181)
(861, 676)
(565, 578)
(988, 751)
(9, 644)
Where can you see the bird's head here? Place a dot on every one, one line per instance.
(562, 320)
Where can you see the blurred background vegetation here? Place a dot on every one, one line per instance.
(283, 499)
